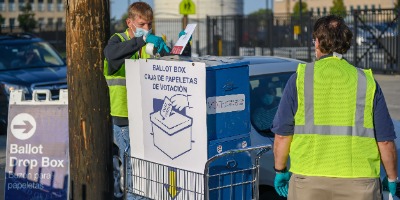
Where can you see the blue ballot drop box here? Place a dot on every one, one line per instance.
(215, 119)
(228, 126)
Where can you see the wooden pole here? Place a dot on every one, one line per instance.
(184, 21)
(90, 134)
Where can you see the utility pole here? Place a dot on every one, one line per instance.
(301, 24)
(90, 134)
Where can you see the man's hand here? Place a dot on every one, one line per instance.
(158, 43)
(389, 185)
(184, 33)
(281, 183)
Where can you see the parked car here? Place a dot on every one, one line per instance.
(28, 63)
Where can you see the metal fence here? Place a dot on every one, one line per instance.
(375, 45)
(375, 42)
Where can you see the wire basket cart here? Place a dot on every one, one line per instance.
(224, 177)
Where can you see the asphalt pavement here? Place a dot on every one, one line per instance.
(390, 85)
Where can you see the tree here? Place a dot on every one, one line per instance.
(397, 4)
(119, 25)
(90, 140)
(338, 8)
(1, 21)
(296, 8)
(27, 19)
(261, 13)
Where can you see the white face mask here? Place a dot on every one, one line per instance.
(140, 32)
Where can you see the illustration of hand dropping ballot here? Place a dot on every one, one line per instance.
(171, 127)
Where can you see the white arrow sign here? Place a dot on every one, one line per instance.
(23, 126)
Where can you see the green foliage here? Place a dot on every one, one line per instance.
(261, 13)
(397, 4)
(2, 19)
(124, 17)
(296, 8)
(338, 8)
(27, 19)
(120, 24)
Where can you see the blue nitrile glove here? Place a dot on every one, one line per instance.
(184, 33)
(158, 43)
(390, 186)
(281, 183)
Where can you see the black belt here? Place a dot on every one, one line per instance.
(120, 121)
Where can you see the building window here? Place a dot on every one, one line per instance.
(324, 11)
(11, 6)
(40, 22)
(318, 11)
(351, 8)
(59, 21)
(311, 10)
(21, 5)
(365, 7)
(33, 6)
(358, 7)
(50, 22)
(12, 21)
(2, 5)
(373, 7)
(50, 6)
(40, 6)
(60, 5)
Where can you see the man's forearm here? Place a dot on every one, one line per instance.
(281, 150)
(388, 153)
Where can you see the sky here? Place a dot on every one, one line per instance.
(118, 7)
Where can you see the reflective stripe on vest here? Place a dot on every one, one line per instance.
(117, 83)
(309, 126)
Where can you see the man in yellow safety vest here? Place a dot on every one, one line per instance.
(334, 123)
(127, 45)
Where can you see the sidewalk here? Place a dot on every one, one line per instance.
(390, 85)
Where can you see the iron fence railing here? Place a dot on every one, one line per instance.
(375, 44)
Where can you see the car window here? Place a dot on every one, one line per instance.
(265, 94)
(28, 55)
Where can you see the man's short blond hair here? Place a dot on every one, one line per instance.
(142, 10)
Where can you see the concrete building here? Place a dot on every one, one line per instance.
(47, 12)
(323, 6)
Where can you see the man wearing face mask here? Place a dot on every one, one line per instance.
(127, 45)
(265, 109)
(334, 123)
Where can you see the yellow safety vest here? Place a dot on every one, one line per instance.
(334, 130)
(117, 83)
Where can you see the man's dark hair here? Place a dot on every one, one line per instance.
(333, 34)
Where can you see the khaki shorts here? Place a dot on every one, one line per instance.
(326, 188)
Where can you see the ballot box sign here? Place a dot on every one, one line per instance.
(167, 112)
(37, 165)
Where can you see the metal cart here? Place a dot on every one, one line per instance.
(227, 181)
